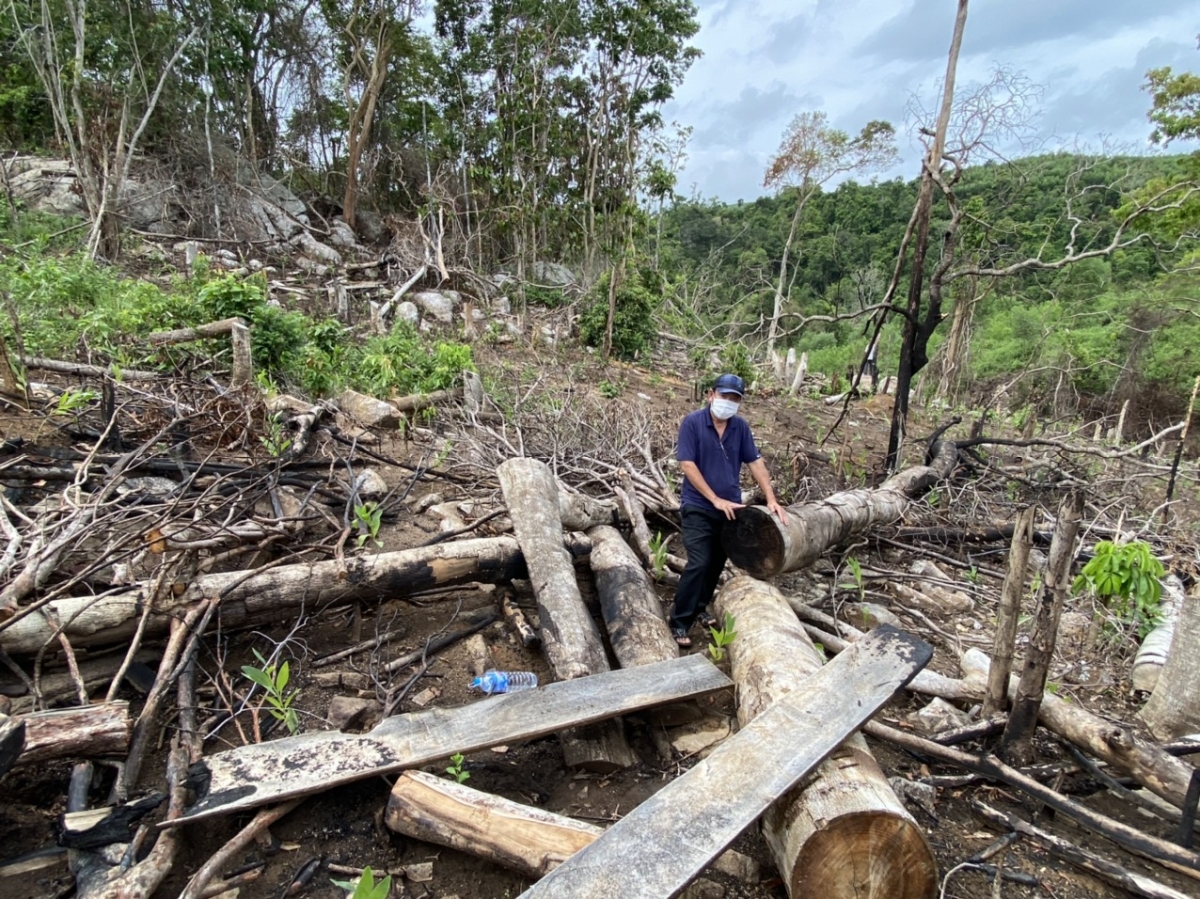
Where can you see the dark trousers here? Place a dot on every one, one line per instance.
(702, 531)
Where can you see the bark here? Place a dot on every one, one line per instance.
(1008, 613)
(1017, 743)
(764, 548)
(516, 620)
(1174, 706)
(570, 639)
(1156, 646)
(844, 834)
(250, 598)
(632, 610)
(90, 731)
(663, 843)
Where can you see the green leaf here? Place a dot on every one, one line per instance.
(259, 676)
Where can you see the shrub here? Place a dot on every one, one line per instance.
(634, 329)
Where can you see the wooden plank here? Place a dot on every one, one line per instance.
(655, 850)
(308, 763)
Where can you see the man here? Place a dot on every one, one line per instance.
(714, 443)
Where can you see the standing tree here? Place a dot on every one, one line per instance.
(811, 155)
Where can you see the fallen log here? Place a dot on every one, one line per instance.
(662, 844)
(846, 833)
(1130, 881)
(439, 811)
(12, 742)
(261, 773)
(90, 731)
(764, 547)
(256, 597)
(570, 639)
(239, 334)
(57, 685)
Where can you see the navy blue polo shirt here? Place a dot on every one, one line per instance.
(719, 460)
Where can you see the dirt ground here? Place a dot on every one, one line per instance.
(344, 826)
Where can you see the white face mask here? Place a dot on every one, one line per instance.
(723, 410)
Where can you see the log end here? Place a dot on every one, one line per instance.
(754, 542)
(868, 854)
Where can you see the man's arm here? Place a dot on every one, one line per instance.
(692, 472)
(762, 477)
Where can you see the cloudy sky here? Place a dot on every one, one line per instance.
(858, 60)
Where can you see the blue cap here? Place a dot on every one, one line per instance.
(730, 384)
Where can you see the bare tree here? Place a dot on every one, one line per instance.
(810, 155)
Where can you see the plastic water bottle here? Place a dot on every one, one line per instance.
(504, 681)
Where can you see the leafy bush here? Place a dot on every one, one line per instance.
(634, 328)
(1127, 578)
(399, 362)
(550, 297)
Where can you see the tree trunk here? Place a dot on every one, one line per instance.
(1156, 646)
(632, 610)
(912, 349)
(1174, 706)
(844, 833)
(570, 639)
(1008, 613)
(249, 598)
(1017, 744)
(764, 548)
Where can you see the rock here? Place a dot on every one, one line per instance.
(407, 312)
(351, 713)
(341, 235)
(741, 867)
(921, 795)
(938, 716)
(501, 306)
(436, 304)
(427, 501)
(368, 410)
(553, 274)
(371, 227)
(370, 483)
(701, 735)
(866, 615)
(315, 250)
(422, 872)
(285, 402)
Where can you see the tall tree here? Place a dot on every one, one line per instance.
(811, 155)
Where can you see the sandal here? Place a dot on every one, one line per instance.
(708, 621)
(681, 637)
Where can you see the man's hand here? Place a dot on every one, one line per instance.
(728, 507)
(775, 509)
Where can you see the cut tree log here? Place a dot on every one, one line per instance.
(1016, 745)
(251, 598)
(262, 773)
(1174, 706)
(12, 742)
(845, 834)
(662, 844)
(761, 545)
(439, 811)
(90, 731)
(1156, 646)
(570, 638)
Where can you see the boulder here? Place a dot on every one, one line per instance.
(368, 410)
(371, 227)
(552, 274)
(436, 304)
(408, 312)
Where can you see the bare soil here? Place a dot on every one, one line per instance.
(343, 826)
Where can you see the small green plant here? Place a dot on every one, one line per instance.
(274, 681)
(721, 638)
(275, 441)
(933, 497)
(856, 573)
(368, 517)
(366, 887)
(71, 401)
(609, 390)
(456, 769)
(658, 554)
(973, 575)
(1127, 578)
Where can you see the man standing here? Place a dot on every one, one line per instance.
(713, 445)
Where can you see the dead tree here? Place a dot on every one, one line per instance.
(1008, 613)
(570, 638)
(845, 811)
(1017, 745)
